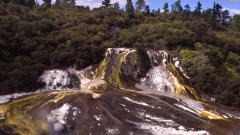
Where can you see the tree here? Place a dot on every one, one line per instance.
(72, 3)
(225, 17)
(186, 12)
(130, 9)
(140, 5)
(159, 11)
(187, 9)
(198, 9)
(214, 11)
(58, 3)
(236, 22)
(218, 13)
(27, 3)
(176, 7)
(106, 3)
(147, 10)
(208, 17)
(30, 3)
(116, 6)
(165, 8)
(65, 3)
(47, 3)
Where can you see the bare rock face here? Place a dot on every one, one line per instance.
(157, 79)
(119, 69)
(59, 80)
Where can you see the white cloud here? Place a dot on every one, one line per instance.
(232, 11)
(90, 3)
(97, 3)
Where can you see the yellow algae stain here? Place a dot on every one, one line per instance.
(99, 86)
(94, 95)
(100, 72)
(180, 87)
(3, 109)
(114, 77)
(59, 95)
(17, 118)
(209, 115)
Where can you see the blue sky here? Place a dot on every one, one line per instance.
(232, 5)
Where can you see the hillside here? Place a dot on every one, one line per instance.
(33, 40)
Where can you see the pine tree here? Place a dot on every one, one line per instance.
(65, 3)
(176, 7)
(30, 3)
(198, 9)
(236, 22)
(130, 9)
(140, 5)
(27, 3)
(186, 12)
(147, 10)
(57, 3)
(47, 3)
(106, 3)
(225, 17)
(116, 6)
(214, 11)
(218, 13)
(165, 8)
(72, 3)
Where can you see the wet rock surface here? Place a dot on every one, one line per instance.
(110, 99)
(121, 112)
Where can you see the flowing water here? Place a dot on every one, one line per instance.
(110, 99)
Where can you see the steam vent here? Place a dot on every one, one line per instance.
(131, 92)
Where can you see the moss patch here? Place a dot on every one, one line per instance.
(100, 72)
(209, 115)
(20, 121)
(181, 81)
(114, 77)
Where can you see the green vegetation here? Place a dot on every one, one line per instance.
(34, 38)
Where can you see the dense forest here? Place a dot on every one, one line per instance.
(36, 37)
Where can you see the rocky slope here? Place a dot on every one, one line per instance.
(110, 98)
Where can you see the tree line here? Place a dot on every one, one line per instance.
(214, 15)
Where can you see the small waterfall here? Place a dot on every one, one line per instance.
(157, 58)
(158, 77)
